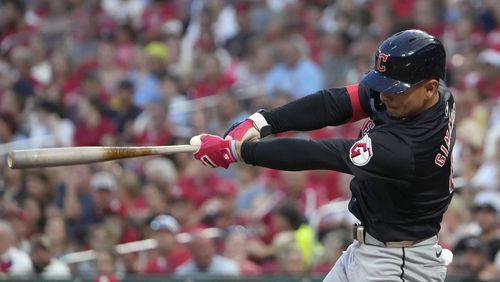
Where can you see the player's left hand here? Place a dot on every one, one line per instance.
(214, 151)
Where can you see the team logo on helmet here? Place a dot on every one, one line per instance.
(382, 58)
(361, 151)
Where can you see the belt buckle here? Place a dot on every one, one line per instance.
(359, 233)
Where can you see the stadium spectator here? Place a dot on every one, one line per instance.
(92, 127)
(48, 127)
(168, 254)
(334, 242)
(13, 262)
(146, 83)
(45, 265)
(152, 127)
(236, 248)
(105, 263)
(486, 209)
(126, 112)
(214, 78)
(204, 259)
(457, 223)
(472, 258)
(296, 75)
(56, 234)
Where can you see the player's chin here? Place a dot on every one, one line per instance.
(395, 114)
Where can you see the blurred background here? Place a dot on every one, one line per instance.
(156, 72)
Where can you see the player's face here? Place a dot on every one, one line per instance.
(412, 101)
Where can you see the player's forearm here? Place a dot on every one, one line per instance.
(327, 107)
(293, 154)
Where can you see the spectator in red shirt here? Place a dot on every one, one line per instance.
(151, 127)
(155, 15)
(214, 80)
(14, 30)
(168, 254)
(199, 184)
(93, 129)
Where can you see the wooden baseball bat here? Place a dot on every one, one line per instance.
(47, 157)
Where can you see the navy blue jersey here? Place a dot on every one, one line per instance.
(402, 181)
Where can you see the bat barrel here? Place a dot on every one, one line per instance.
(53, 157)
(32, 158)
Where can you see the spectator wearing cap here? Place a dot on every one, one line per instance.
(44, 263)
(205, 260)
(104, 193)
(490, 71)
(108, 208)
(168, 254)
(13, 262)
(473, 260)
(157, 56)
(487, 215)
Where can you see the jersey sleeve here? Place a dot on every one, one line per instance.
(324, 108)
(379, 155)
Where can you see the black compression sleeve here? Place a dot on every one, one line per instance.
(324, 108)
(297, 154)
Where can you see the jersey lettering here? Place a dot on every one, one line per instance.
(440, 159)
(444, 150)
(367, 126)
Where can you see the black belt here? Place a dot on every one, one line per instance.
(359, 233)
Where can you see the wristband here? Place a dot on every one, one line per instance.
(233, 150)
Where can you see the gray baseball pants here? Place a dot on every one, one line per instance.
(425, 261)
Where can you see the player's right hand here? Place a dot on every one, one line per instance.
(251, 129)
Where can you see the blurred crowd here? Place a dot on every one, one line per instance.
(156, 72)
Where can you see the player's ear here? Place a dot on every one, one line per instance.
(431, 87)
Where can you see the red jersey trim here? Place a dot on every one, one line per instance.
(357, 110)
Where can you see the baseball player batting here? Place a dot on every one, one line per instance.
(401, 162)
